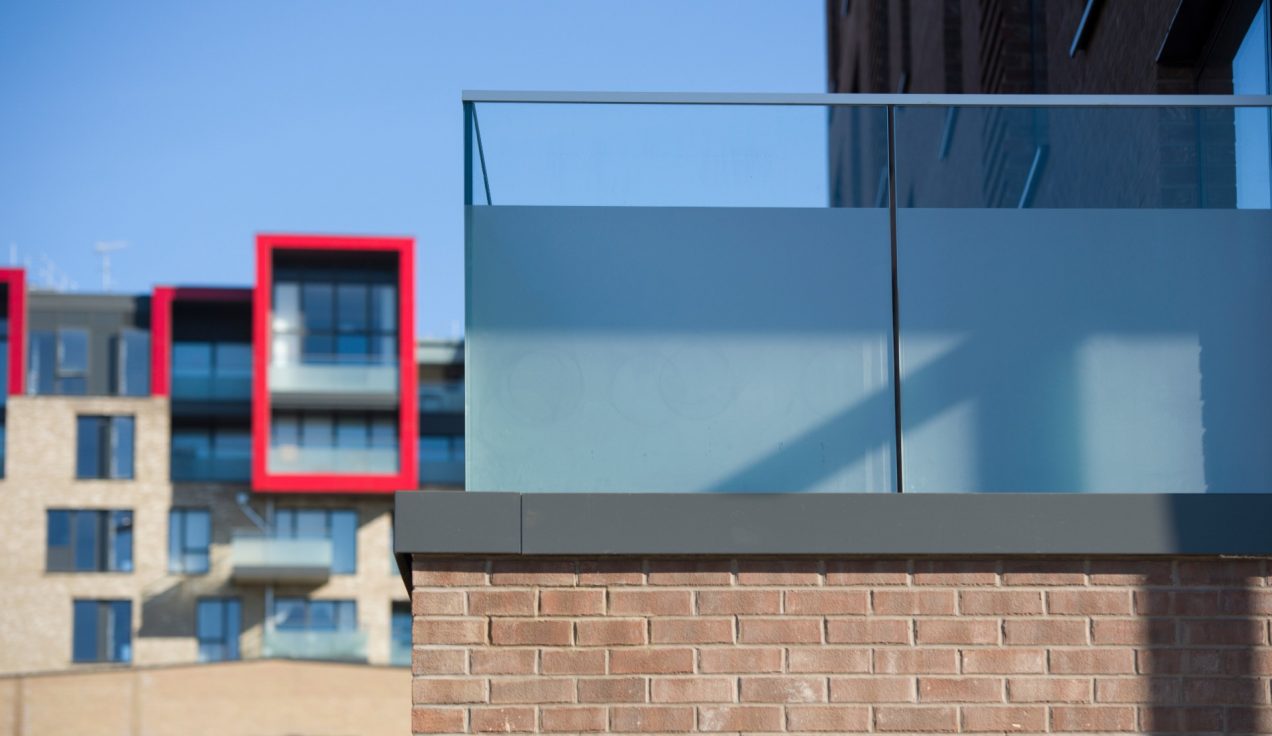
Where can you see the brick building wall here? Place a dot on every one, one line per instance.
(844, 645)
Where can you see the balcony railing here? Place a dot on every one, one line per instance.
(257, 558)
(868, 293)
(334, 384)
(211, 388)
(343, 646)
(442, 473)
(296, 459)
(194, 468)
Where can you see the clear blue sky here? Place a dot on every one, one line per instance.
(185, 128)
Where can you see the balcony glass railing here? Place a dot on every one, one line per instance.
(193, 387)
(261, 558)
(189, 468)
(441, 397)
(442, 472)
(296, 459)
(344, 646)
(853, 293)
(350, 378)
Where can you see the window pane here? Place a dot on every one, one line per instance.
(122, 447)
(84, 631)
(351, 431)
(176, 540)
(285, 430)
(233, 360)
(88, 447)
(315, 430)
(122, 546)
(434, 449)
(311, 523)
(285, 523)
(285, 350)
(351, 308)
(42, 362)
(72, 352)
(318, 303)
(457, 448)
(289, 614)
(400, 626)
(191, 454)
(383, 349)
(191, 359)
(210, 621)
(383, 430)
(71, 386)
(121, 620)
(134, 363)
(384, 308)
(322, 615)
(233, 623)
(87, 540)
(59, 541)
(351, 349)
(319, 348)
(344, 542)
(286, 307)
(346, 615)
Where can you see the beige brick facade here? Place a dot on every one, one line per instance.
(801, 645)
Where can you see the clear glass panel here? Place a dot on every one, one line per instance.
(384, 430)
(122, 547)
(41, 362)
(434, 449)
(89, 437)
(122, 443)
(289, 613)
(384, 308)
(318, 302)
(344, 537)
(351, 431)
(286, 307)
(346, 615)
(72, 351)
(316, 430)
(352, 308)
(176, 540)
(312, 523)
(88, 540)
(134, 363)
(84, 633)
(1078, 289)
(322, 616)
(121, 631)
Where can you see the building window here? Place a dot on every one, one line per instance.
(90, 541)
(317, 441)
(104, 447)
(338, 525)
(441, 459)
(400, 635)
(211, 452)
(132, 363)
(189, 534)
(326, 322)
(302, 614)
(217, 625)
(102, 631)
(212, 370)
(58, 362)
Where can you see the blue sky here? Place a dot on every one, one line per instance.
(185, 128)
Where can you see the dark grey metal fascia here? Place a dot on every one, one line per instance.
(837, 98)
(833, 524)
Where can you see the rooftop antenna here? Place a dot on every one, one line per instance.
(104, 248)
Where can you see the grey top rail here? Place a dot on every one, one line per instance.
(909, 100)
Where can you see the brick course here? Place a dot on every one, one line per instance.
(711, 645)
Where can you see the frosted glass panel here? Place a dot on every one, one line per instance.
(657, 349)
(1086, 350)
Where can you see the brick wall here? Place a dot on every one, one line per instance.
(799, 645)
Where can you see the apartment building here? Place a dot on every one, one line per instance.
(204, 475)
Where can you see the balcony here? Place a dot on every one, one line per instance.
(993, 294)
(189, 468)
(349, 460)
(331, 385)
(211, 388)
(261, 559)
(340, 646)
(442, 473)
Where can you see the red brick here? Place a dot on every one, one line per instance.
(1222, 572)
(448, 631)
(533, 572)
(916, 661)
(1000, 602)
(1092, 661)
(783, 690)
(1196, 602)
(574, 719)
(779, 572)
(651, 661)
(1224, 632)
(437, 602)
(958, 690)
(838, 718)
(1156, 632)
(1153, 602)
(623, 571)
(1004, 661)
(532, 690)
(1048, 690)
(1044, 631)
(571, 602)
(744, 602)
(780, 631)
(502, 720)
(868, 631)
(955, 572)
(447, 691)
(866, 572)
(872, 689)
(956, 631)
(691, 630)
(1245, 602)
(1004, 718)
(1250, 720)
(1044, 572)
(690, 572)
(1224, 691)
(1092, 718)
(692, 690)
(437, 720)
(651, 602)
(1131, 573)
(503, 661)
(573, 662)
(832, 602)
(915, 718)
(1171, 719)
(829, 660)
(511, 632)
(501, 602)
(1137, 690)
(913, 602)
(606, 631)
(438, 661)
(643, 718)
(612, 690)
(428, 572)
(740, 659)
(740, 718)
(1089, 602)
